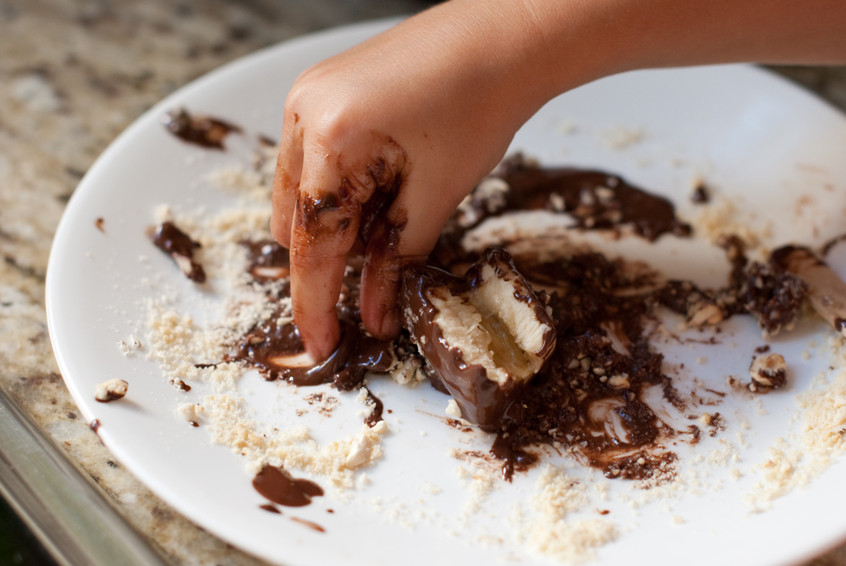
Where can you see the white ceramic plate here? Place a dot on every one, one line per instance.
(774, 149)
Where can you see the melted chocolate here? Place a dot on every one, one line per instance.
(589, 394)
(594, 199)
(278, 486)
(204, 131)
(513, 457)
(375, 415)
(110, 396)
(268, 346)
(173, 241)
(767, 291)
(267, 261)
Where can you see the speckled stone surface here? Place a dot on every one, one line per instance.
(72, 76)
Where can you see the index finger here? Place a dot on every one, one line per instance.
(323, 231)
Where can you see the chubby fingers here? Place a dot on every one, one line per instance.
(334, 204)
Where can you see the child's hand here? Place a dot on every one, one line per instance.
(380, 144)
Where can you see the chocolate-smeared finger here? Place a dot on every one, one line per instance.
(402, 235)
(322, 233)
(286, 181)
(315, 287)
(826, 291)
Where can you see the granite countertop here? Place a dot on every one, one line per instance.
(73, 75)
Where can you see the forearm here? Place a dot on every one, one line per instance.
(541, 48)
(631, 34)
(418, 114)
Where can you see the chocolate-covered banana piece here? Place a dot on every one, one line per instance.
(484, 335)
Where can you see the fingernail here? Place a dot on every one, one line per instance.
(322, 348)
(390, 326)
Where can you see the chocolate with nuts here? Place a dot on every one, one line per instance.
(179, 245)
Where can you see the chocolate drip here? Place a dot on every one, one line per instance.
(513, 457)
(310, 524)
(700, 195)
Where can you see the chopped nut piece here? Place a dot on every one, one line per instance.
(704, 313)
(192, 413)
(111, 390)
(768, 371)
(620, 381)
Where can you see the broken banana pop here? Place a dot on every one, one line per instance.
(484, 336)
(826, 291)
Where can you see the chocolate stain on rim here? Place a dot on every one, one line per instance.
(95, 427)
